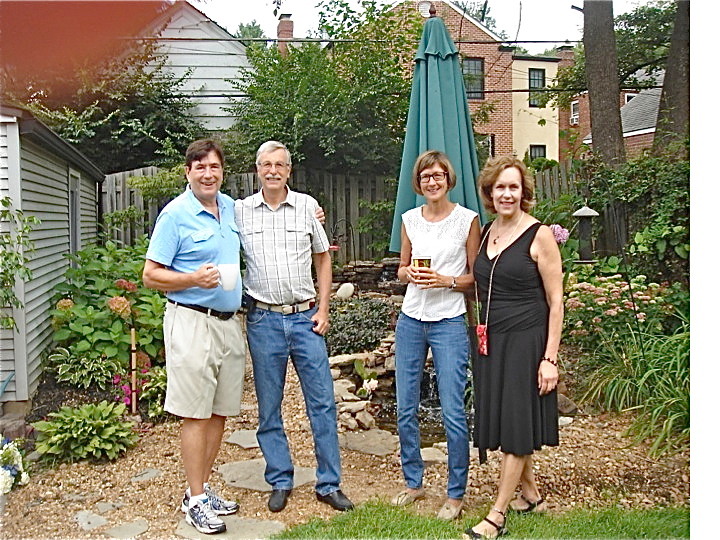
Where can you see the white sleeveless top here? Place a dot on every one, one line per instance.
(445, 242)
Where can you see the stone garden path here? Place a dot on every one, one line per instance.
(139, 494)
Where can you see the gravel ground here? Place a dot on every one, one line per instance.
(595, 465)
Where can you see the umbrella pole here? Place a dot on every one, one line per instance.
(133, 373)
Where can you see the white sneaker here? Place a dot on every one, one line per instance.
(204, 519)
(219, 505)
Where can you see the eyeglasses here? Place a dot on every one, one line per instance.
(279, 165)
(438, 177)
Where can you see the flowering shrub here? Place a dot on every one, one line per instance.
(12, 467)
(122, 381)
(603, 306)
(101, 299)
(560, 233)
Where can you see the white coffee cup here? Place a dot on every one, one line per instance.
(228, 275)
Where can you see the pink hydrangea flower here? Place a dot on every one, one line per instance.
(65, 304)
(119, 305)
(560, 233)
(126, 285)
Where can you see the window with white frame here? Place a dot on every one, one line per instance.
(574, 113)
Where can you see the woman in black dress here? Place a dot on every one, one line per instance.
(519, 270)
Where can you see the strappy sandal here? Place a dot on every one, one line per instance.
(501, 530)
(531, 507)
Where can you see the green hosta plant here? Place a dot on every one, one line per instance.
(91, 431)
(83, 369)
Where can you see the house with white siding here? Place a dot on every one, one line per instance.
(198, 47)
(45, 177)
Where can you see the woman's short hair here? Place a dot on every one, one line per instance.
(489, 175)
(199, 150)
(271, 146)
(428, 159)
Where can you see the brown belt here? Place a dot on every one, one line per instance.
(287, 309)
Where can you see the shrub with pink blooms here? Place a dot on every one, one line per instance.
(605, 305)
(100, 300)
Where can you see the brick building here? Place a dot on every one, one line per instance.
(638, 114)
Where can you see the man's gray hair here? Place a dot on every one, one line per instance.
(271, 146)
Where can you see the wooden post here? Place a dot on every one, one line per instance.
(133, 373)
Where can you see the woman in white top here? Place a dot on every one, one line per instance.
(433, 316)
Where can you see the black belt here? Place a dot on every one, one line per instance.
(222, 315)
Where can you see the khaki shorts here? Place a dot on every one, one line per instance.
(205, 361)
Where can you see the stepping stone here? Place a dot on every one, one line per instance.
(247, 438)
(128, 530)
(377, 442)
(89, 520)
(237, 528)
(144, 476)
(249, 474)
(104, 507)
(433, 455)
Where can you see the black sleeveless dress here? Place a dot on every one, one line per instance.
(510, 414)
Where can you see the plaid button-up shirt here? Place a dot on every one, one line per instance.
(278, 246)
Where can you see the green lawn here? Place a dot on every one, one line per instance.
(380, 520)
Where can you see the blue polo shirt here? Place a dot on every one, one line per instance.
(186, 236)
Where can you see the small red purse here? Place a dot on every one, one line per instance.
(482, 338)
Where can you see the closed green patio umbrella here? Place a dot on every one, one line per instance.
(438, 119)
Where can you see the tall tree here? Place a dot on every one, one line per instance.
(673, 121)
(249, 30)
(340, 108)
(127, 113)
(603, 86)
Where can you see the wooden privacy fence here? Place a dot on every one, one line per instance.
(339, 195)
(551, 183)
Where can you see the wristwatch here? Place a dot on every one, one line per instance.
(453, 284)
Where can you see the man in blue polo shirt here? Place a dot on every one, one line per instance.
(204, 343)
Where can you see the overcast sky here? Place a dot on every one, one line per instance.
(538, 19)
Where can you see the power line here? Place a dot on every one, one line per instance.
(338, 40)
(518, 90)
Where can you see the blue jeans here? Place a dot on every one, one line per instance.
(448, 340)
(272, 338)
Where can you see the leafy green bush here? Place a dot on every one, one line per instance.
(83, 369)
(603, 306)
(647, 372)
(656, 195)
(559, 210)
(102, 298)
(15, 245)
(358, 324)
(95, 431)
(153, 391)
